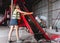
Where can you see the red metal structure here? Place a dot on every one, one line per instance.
(38, 26)
(35, 22)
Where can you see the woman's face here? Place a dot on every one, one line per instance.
(12, 6)
(17, 6)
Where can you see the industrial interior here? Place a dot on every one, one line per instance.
(43, 26)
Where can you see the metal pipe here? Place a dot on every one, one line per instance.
(11, 6)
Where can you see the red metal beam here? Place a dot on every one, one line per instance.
(26, 24)
(14, 1)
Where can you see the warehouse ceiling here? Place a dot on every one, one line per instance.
(32, 1)
(28, 2)
(6, 3)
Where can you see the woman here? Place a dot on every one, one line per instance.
(13, 22)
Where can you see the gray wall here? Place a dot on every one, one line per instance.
(50, 9)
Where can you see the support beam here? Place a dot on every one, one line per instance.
(11, 6)
(49, 13)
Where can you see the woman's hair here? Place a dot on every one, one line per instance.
(17, 6)
(12, 6)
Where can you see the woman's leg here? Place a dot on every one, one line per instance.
(17, 34)
(17, 31)
(10, 32)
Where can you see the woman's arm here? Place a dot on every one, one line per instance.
(28, 13)
(24, 13)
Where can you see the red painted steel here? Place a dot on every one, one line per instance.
(14, 1)
(21, 23)
(54, 36)
(26, 24)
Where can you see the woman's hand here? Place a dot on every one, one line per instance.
(31, 12)
(28, 13)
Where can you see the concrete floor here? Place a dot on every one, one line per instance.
(24, 35)
(4, 30)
